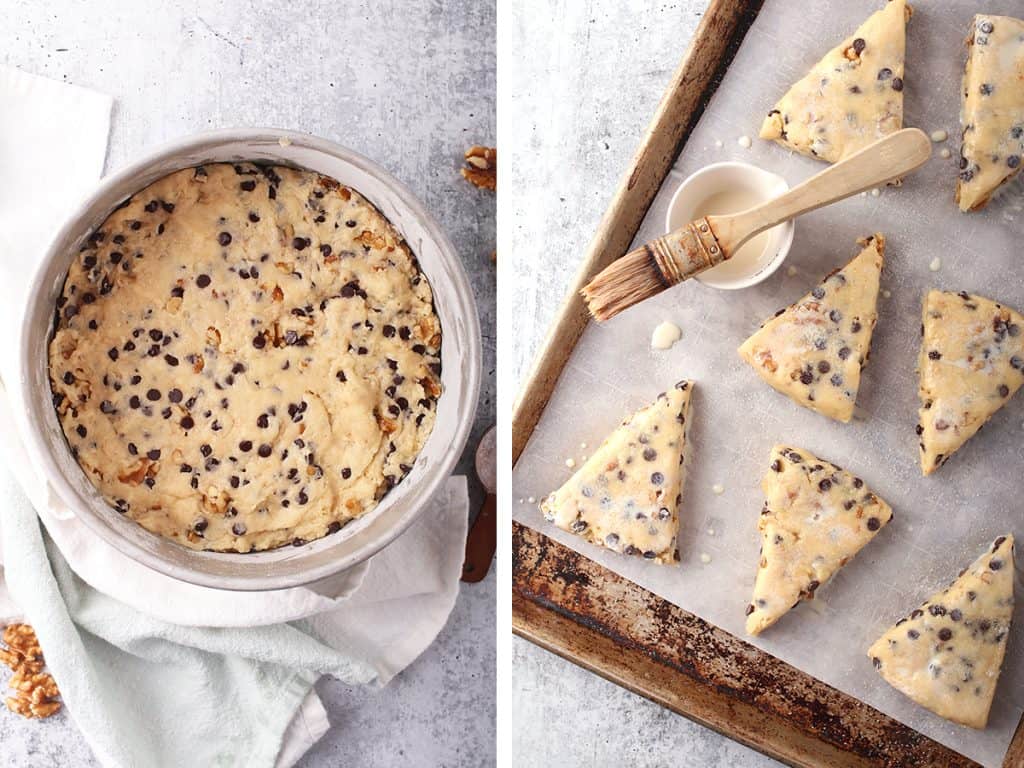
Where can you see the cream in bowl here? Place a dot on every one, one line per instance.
(731, 187)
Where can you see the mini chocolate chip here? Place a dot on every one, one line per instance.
(245, 446)
(153, 394)
(224, 238)
(874, 523)
(203, 280)
(264, 450)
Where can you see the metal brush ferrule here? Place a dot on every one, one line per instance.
(687, 252)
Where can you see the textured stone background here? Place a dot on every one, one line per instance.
(409, 84)
(580, 101)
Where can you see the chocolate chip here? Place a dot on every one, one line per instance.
(203, 280)
(844, 352)
(818, 292)
(897, 84)
(346, 473)
(264, 450)
(913, 634)
(1013, 161)
(245, 446)
(238, 528)
(153, 394)
(986, 27)
(153, 455)
(995, 564)
(259, 341)
(859, 45)
(945, 634)
(650, 454)
(247, 186)
(200, 525)
(223, 238)
(612, 539)
(187, 422)
(835, 315)
(874, 523)
(657, 478)
(300, 243)
(1004, 391)
(806, 377)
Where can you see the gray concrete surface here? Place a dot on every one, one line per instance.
(409, 84)
(579, 102)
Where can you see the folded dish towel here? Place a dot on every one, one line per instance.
(156, 672)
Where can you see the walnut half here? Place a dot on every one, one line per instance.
(481, 169)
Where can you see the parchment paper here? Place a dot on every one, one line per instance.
(942, 522)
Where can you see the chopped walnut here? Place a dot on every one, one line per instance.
(35, 691)
(481, 169)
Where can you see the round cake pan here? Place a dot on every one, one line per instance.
(460, 360)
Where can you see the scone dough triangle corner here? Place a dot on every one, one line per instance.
(813, 351)
(947, 654)
(992, 111)
(970, 364)
(625, 497)
(816, 517)
(852, 96)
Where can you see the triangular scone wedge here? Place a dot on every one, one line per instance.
(947, 654)
(971, 362)
(813, 350)
(851, 97)
(816, 517)
(625, 496)
(992, 115)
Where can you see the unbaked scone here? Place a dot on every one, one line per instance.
(992, 114)
(971, 362)
(947, 654)
(850, 98)
(813, 350)
(816, 517)
(626, 496)
(245, 356)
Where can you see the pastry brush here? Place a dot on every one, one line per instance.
(710, 240)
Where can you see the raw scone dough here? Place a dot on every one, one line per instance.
(813, 351)
(816, 517)
(850, 98)
(971, 362)
(947, 654)
(245, 357)
(992, 115)
(625, 497)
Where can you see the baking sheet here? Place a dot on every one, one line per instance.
(942, 522)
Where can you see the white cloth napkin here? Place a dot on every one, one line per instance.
(379, 616)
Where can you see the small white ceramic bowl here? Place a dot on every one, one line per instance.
(460, 367)
(750, 183)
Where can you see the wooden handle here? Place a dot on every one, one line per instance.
(889, 158)
(481, 542)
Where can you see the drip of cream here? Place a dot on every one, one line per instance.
(665, 335)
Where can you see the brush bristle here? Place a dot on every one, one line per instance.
(622, 284)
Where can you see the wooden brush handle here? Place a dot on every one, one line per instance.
(889, 158)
